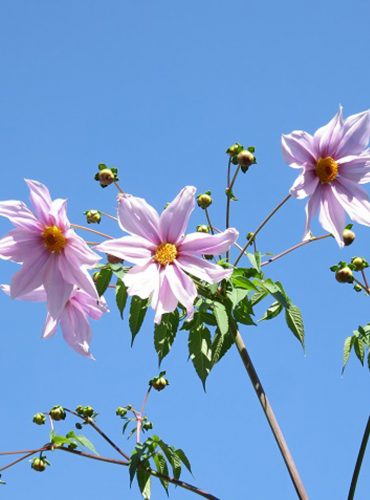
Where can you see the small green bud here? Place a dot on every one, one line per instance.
(72, 446)
(202, 229)
(93, 216)
(245, 159)
(148, 426)
(208, 257)
(112, 259)
(121, 412)
(359, 263)
(106, 176)
(344, 275)
(250, 236)
(234, 149)
(88, 411)
(357, 288)
(204, 200)
(348, 237)
(39, 419)
(57, 413)
(159, 383)
(38, 464)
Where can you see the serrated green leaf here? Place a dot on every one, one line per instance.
(58, 440)
(236, 295)
(243, 282)
(83, 441)
(200, 351)
(368, 360)
(102, 280)
(346, 351)
(255, 260)
(184, 459)
(165, 333)
(172, 458)
(258, 296)
(161, 467)
(221, 317)
(144, 480)
(121, 296)
(243, 313)
(138, 310)
(294, 321)
(358, 346)
(220, 345)
(273, 311)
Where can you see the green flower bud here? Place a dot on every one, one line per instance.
(245, 159)
(159, 383)
(234, 149)
(93, 216)
(106, 176)
(204, 200)
(113, 260)
(208, 257)
(88, 411)
(38, 464)
(357, 288)
(57, 413)
(39, 419)
(121, 412)
(359, 263)
(250, 236)
(202, 229)
(344, 275)
(80, 410)
(148, 426)
(72, 446)
(348, 237)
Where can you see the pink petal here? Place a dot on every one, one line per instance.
(305, 184)
(356, 135)
(331, 213)
(174, 219)
(132, 248)
(354, 200)
(311, 208)
(182, 287)
(49, 327)
(81, 252)
(76, 330)
(38, 295)
(202, 269)
(208, 244)
(355, 168)
(31, 275)
(20, 215)
(328, 137)
(58, 214)
(163, 300)
(137, 217)
(298, 149)
(142, 280)
(18, 245)
(75, 273)
(57, 289)
(41, 200)
(92, 307)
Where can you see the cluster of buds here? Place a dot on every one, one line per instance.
(204, 200)
(105, 175)
(159, 383)
(241, 156)
(57, 413)
(122, 410)
(86, 411)
(93, 216)
(344, 270)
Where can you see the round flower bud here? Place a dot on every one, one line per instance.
(204, 200)
(348, 237)
(245, 159)
(234, 149)
(88, 411)
(38, 464)
(202, 229)
(344, 275)
(80, 409)
(148, 426)
(159, 383)
(57, 413)
(93, 216)
(359, 263)
(357, 288)
(106, 177)
(113, 260)
(121, 412)
(39, 419)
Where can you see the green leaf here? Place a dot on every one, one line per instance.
(358, 346)
(273, 311)
(200, 351)
(236, 295)
(221, 317)
(102, 280)
(184, 459)
(165, 333)
(161, 467)
(255, 260)
(277, 291)
(144, 481)
(346, 351)
(173, 459)
(83, 441)
(58, 440)
(258, 296)
(294, 321)
(138, 310)
(220, 345)
(243, 282)
(121, 296)
(368, 360)
(243, 313)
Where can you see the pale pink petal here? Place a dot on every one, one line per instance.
(298, 149)
(142, 280)
(38, 295)
(41, 200)
(164, 301)
(331, 213)
(356, 134)
(76, 330)
(355, 168)
(58, 214)
(208, 244)
(175, 218)
(75, 273)
(328, 137)
(19, 215)
(182, 287)
(354, 200)
(18, 245)
(58, 291)
(137, 217)
(31, 275)
(312, 207)
(92, 307)
(201, 268)
(132, 248)
(305, 184)
(78, 247)
(49, 327)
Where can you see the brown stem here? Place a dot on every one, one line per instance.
(77, 226)
(263, 223)
(273, 423)
(365, 280)
(229, 188)
(118, 187)
(294, 247)
(209, 220)
(360, 457)
(361, 285)
(108, 215)
(32, 452)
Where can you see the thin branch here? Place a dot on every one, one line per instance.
(77, 226)
(209, 220)
(263, 223)
(118, 187)
(32, 452)
(361, 285)
(360, 457)
(108, 215)
(365, 280)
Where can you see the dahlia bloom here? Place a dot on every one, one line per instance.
(163, 256)
(52, 254)
(334, 161)
(73, 319)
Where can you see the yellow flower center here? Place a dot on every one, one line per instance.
(326, 169)
(165, 253)
(54, 239)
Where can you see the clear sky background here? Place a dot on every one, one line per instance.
(160, 89)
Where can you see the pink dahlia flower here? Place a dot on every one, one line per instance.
(52, 254)
(73, 319)
(334, 161)
(163, 256)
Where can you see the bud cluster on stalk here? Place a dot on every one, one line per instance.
(244, 157)
(105, 175)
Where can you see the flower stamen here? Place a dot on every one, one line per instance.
(54, 239)
(165, 253)
(326, 169)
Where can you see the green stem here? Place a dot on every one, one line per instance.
(360, 457)
(209, 220)
(229, 188)
(263, 223)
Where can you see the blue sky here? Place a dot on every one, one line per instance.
(160, 90)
